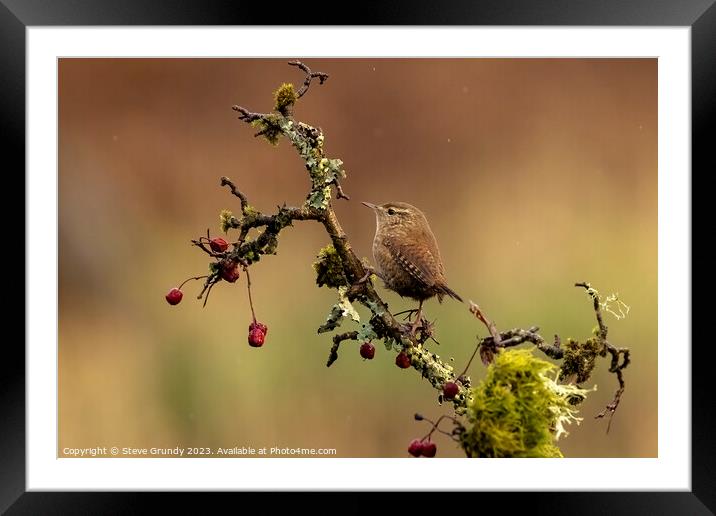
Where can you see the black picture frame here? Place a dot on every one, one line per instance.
(17, 15)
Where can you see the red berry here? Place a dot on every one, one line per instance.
(256, 338)
(367, 350)
(258, 326)
(257, 334)
(218, 245)
(416, 448)
(450, 390)
(174, 296)
(429, 449)
(230, 271)
(402, 360)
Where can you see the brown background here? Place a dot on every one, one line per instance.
(534, 174)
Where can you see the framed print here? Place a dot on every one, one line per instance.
(409, 254)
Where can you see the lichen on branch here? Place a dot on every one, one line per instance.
(604, 347)
(353, 280)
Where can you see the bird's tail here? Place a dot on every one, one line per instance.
(444, 289)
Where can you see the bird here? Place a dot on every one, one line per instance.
(406, 255)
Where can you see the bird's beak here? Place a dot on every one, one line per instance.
(370, 205)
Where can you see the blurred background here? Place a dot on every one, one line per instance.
(534, 174)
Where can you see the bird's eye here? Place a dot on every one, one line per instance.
(391, 211)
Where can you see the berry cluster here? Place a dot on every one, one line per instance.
(228, 269)
(367, 351)
(422, 447)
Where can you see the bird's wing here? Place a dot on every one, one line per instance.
(418, 262)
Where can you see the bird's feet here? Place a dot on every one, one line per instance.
(359, 285)
(408, 314)
(369, 271)
(417, 323)
(420, 330)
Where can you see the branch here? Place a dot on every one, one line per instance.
(323, 171)
(477, 312)
(246, 115)
(616, 353)
(267, 241)
(603, 330)
(510, 338)
(337, 339)
(518, 336)
(309, 76)
(340, 194)
(225, 181)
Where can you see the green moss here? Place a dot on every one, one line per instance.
(285, 97)
(579, 359)
(251, 256)
(227, 221)
(270, 128)
(329, 268)
(518, 410)
(250, 211)
(271, 245)
(282, 219)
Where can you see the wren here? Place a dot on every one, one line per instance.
(406, 254)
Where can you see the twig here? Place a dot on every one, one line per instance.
(225, 181)
(309, 77)
(337, 339)
(603, 330)
(340, 194)
(611, 408)
(268, 239)
(248, 289)
(191, 279)
(203, 247)
(616, 353)
(208, 285)
(248, 116)
(518, 336)
(436, 426)
(475, 310)
(469, 361)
